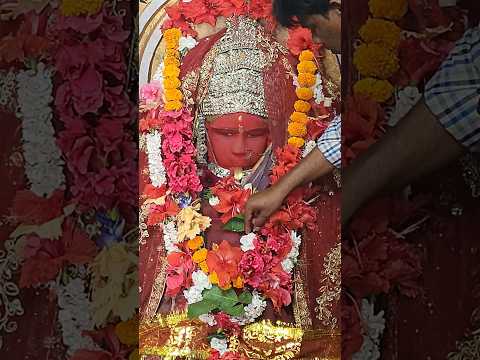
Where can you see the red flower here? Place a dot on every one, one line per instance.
(232, 198)
(252, 267)
(45, 258)
(224, 261)
(224, 323)
(28, 208)
(287, 158)
(300, 39)
(352, 338)
(179, 273)
(158, 213)
(111, 347)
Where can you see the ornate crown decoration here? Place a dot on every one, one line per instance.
(236, 84)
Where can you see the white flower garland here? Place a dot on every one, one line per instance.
(200, 282)
(221, 345)
(375, 325)
(170, 236)
(43, 158)
(155, 161)
(252, 311)
(74, 315)
(289, 263)
(318, 93)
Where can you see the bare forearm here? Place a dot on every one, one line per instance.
(309, 169)
(417, 146)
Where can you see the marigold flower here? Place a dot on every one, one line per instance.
(195, 243)
(302, 106)
(171, 83)
(382, 32)
(373, 60)
(297, 129)
(77, 8)
(299, 117)
(127, 332)
(306, 55)
(388, 9)
(200, 256)
(173, 105)
(171, 71)
(173, 94)
(308, 67)
(304, 93)
(296, 142)
(306, 80)
(213, 277)
(238, 282)
(172, 53)
(204, 267)
(173, 34)
(171, 60)
(378, 90)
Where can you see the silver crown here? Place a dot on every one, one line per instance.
(236, 84)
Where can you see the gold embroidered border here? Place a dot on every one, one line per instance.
(157, 289)
(301, 312)
(330, 291)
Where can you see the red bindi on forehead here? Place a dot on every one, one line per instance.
(243, 121)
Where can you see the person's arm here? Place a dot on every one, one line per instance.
(321, 161)
(418, 145)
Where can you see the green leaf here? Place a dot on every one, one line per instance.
(200, 308)
(245, 298)
(236, 224)
(236, 310)
(219, 297)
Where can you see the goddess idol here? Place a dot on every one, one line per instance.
(229, 112)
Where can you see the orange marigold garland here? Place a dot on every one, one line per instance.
(171, 72)
(297, 127)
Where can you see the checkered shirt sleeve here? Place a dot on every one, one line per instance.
(453, 93)
(330, 142)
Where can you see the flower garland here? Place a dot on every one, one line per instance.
(376, 59)
(297, 128)
(43, 159)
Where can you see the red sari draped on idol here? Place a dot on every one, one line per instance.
(310, 325)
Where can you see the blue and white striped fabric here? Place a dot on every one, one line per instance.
(330, 142)
(453, 94)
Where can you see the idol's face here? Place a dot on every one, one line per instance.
(237, 140)
(328, 28)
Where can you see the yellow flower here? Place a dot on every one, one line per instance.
(373, 60)
(296, 141)
(307, 67)
(127, 331)
(200, 256)
(238, 282)
(173, 34)
(306, 80)
(195, 243)
(171, 60)
(171, 71)
(388, 9)
(134, 355)
(306, 55)
(378, 90)
(173, 105)
(171, 83)
(296, 129)
(204, 267)
(173, 94)
(85, 7)
(304, 93)
(299, 117)
(213, 277)
(302, 106)
(191, 223)
(172, 53)
(382, 32)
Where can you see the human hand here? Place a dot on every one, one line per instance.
(261, 205)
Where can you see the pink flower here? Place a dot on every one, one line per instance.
(252, 267)
(150, 92)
